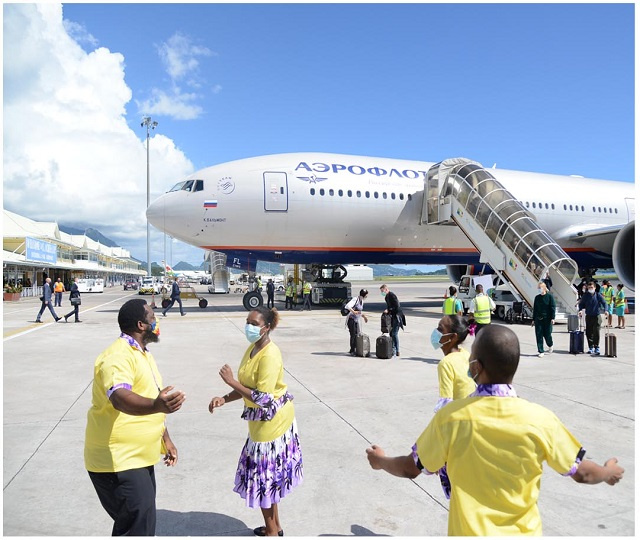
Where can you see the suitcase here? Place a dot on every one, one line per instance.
(576, 342)
(384, 347)
(573, 323)
(363, 346)
(385, 323)
(610, 345)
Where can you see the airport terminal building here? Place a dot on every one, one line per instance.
(33, 250)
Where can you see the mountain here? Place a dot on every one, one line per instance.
(94, 234)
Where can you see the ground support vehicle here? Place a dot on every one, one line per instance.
(186, 292)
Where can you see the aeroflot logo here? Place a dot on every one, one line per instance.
(357, 170)
(226, 185)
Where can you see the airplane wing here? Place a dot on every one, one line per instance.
(601, 234)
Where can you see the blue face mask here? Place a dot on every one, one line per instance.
(252, 333)
(469, 371)
(436, 336)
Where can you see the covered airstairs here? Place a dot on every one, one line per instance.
(509, 240)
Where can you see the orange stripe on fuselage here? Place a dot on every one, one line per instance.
(362, 249)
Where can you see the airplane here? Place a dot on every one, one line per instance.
(322, 208)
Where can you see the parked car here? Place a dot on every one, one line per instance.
(131, 285)
(149, 286)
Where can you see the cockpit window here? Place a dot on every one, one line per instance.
(199, 185)
(177, 187)
(187, 185)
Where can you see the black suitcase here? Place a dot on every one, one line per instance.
(363, 345)
(576, 342)
(610, 345)
(385, 323)
(384, 347)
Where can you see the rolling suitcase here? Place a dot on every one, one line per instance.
(385, 323)
(363, 346)
(576, 340)
(610, 344)
(384, 347)
(573, 323)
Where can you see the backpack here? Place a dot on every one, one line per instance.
(344, 310)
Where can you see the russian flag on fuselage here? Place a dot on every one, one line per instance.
(211, 204)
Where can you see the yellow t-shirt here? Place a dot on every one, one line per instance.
(264, 373)
(453, 378)
(494, 448)
(116, 441)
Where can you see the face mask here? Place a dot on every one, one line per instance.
(469, 371)
(252, 333)
(382, 293)
(155, 328)
(591, 291)
(436, 336)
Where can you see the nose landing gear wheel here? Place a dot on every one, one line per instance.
(252, 300)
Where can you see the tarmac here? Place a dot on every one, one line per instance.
(343, 404)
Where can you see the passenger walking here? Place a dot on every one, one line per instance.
(306, 295)
(608, 292)
(355, 307)
(175, 297)
(74, 298)
(487, 498)
(271, 290)
(270, 463)
(398, 319)
(58, 289)
(592, 304)
(452, 304)
(46, 301)
(619, 305)
(126, 430)
(482, 306)
(288, 295)
(544, 315)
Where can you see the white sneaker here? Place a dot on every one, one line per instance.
(540, 354)
(550, 350)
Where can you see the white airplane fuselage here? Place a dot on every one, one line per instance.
(339, 209)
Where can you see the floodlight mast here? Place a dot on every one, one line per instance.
(151, 124)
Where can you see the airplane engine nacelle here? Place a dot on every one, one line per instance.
(623, 255)
(456, 271)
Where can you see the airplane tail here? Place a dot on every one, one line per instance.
(168, 269)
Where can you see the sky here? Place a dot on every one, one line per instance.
(535, 87)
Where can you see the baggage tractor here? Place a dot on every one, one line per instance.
(385, 323)
(610, 344)
(384, 347)
(573, 323)
(363, 345)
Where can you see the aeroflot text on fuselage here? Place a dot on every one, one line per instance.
(359, 170)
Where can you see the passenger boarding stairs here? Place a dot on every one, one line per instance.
(219, 272)
(501, 229)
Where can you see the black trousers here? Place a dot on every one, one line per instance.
(593, 330)
(353, 327)
(129, 497)
(270, 300)
(76, 312)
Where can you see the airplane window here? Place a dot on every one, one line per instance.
(605, 209)
(358, 194)
(553, 206)
(375, 194)
(313, 191)
(527, 204)
(187, 185)
(565, 206)
(281, 190)
(177, 187)
(402, 196)
(384, 195)
(616, 210)
(546, 206)
(340, 192)
(594, 208)
(331, 192)
(199, 185)
(582, 207)
(408, 196)
(322, 191)
(570, 207)
(599, 209)
(366, 194)
(533, 204)
(349, 193)
(540, 205)
(393, 196)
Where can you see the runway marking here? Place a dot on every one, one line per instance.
(20, 332)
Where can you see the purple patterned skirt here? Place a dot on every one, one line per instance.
(267, 471)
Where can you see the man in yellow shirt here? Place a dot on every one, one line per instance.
(494, 444)
(125, 433)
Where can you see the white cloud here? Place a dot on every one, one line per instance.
(180, 56)
(69, 155)
(177, 105)
(79, 33)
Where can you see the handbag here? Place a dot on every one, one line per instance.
(42, 299)
(75, 301)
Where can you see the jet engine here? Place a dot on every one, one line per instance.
(623, 255)
(456, 271)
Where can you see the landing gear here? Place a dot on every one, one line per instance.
(252, 300)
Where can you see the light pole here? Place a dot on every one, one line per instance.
(146, 121)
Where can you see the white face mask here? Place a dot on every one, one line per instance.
(591, 291)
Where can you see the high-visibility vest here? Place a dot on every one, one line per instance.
(58, 287)
(482, 314)
(289, 291)
(619, 299)
(608, 293)
(449, 306)
(306, 288)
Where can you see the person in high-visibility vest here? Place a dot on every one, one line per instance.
(608, 292)
(481, 306)
(288, 295)
(452, 305)
(58, 289)
(618, 304)
(306, 295)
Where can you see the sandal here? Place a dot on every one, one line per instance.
(262, 531)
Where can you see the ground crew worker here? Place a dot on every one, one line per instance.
(482, 306)
(608, 293)
(619, 304)
(306, 295)
(452, 305)
(288, 295)
(259, 284)
(58, 289)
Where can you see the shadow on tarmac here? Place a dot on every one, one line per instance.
(171, 523)
(356, 530)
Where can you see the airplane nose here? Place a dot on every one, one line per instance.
(155, 212)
